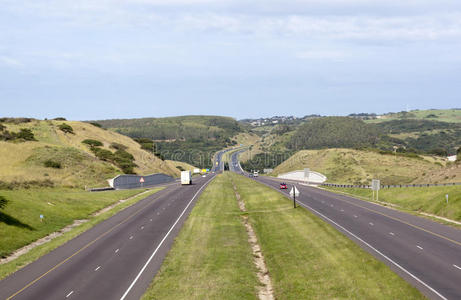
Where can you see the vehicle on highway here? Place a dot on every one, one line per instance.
(283, 186)
(255, 174)
(250, 175)
(186, 177)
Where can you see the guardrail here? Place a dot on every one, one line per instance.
(390, 186)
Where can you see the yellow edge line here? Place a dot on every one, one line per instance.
(77, 252)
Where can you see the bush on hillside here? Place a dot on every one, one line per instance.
(118, 146)
(60, 119)
(3, 202)
(15, 120)
(96, 124)
(25, 134)
(103, 154)
(2, 127)
(25, 184)
(180, 168)
(66, 128)
(92, 143)
(52, 164)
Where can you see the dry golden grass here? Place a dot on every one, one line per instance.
(359, 167)
(85, 169)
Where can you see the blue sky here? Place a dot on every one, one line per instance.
(150, 58)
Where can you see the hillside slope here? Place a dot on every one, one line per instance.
(359, 167)
(190, 139)
(24, 161)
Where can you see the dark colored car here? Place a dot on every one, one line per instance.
(283, 186)
(250, 175)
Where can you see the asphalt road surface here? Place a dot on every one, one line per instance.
(425, 253)
(117, 258)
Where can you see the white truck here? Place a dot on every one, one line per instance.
(255, 174)
(186, 177)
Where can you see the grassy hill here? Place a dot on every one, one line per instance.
(77, 165)
(191, 139)
(443, 115)
(359, 167)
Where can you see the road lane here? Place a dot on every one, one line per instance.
(103, 262)
(426, 251)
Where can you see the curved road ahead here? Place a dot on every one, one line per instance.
(425, 253)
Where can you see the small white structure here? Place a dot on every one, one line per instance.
(313, 177)
(186, 177)
(452, 158)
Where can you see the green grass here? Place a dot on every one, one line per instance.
(306, 257)
(20, 221)
(211, 257)
(309, 259)
(444, 115)
(43, 249)
(427, 199)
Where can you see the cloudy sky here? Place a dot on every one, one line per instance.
(137, 58)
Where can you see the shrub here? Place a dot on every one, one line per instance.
(60, 119)
(118, 146)
(66, 128)
(180, 168)
(52, 164)
(2, 127)
(3, 202)
(25, 134)
(92, 143)
(16, 120)
(103, 154)
(96, 124)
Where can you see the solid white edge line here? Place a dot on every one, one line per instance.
(377, 251)
(163, 240)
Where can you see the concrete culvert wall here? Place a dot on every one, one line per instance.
(134, 181)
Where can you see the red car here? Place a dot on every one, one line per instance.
(283, 186)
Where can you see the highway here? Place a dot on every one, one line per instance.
(115, 259)
(425, 253)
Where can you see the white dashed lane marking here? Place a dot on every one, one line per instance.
(457, 267)
(131, 237)
(69, 294)
(97, 268)
(419, 247)
(371, 224)
(391, 233)
(117, 250)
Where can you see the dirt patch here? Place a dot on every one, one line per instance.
(58, 233)
(266, 290)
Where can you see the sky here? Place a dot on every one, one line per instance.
(88, 60)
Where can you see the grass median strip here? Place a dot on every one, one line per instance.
(309, 259)
(211, 257)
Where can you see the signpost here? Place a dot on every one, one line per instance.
(306, 174)
(446, 197)
(142, 181)
(294, 193)
(375, 186)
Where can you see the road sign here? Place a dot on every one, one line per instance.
(294, 191)
(375, 184)
(141, 179)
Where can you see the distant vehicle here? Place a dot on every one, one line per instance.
(255, 174)
(283, 186)
(203, 175)
(186, 177)
(250, 175)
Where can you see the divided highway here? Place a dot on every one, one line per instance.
(117, 258)
(425, 253)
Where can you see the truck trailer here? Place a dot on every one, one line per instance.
(186, 177)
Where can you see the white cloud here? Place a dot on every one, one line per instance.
(9, 61)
